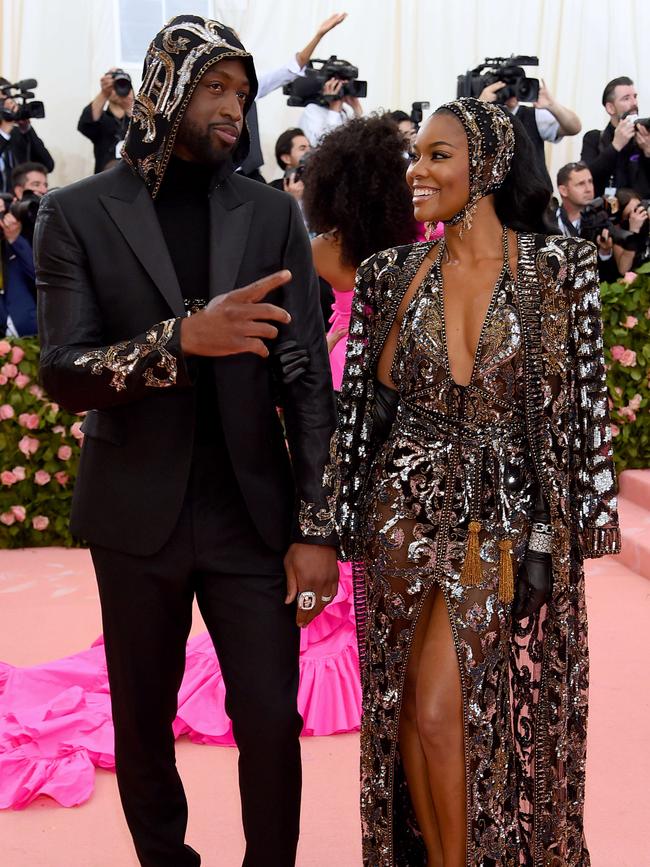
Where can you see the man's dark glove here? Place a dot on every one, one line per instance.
(290, 361)
(534, 584)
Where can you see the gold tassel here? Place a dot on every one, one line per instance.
(506, 576)
(472, 572)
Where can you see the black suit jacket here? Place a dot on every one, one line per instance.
(629, 167)
(105, 279)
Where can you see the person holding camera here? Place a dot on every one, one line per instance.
(19, 142)
(634, 218)
(29, 178)
(546, 120)
(17, 286)
(619, 156)
(317, 120)
(290, 150)
(576, 188)
(106, 119)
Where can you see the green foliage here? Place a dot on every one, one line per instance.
(36, 436)
(626, 320)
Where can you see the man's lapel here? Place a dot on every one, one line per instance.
(230, 218)
(131, 208)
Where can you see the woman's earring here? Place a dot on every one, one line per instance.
(468, 216)
(428, 231)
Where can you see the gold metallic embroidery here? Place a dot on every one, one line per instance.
(123, 359)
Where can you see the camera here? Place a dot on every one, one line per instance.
(122, 83)
(297, 172)
(308, 89)
(417, 111)
(507, 69)
(596, 216)
(636, 120)
(21, 91)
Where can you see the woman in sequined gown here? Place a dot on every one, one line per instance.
(474, 715)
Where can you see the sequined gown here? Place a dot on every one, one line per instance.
(455, 454)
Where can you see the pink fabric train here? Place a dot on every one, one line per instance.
(55, 718)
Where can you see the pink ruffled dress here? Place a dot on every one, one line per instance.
(340, 318)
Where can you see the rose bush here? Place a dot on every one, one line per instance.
(626, 320)
(39, 452)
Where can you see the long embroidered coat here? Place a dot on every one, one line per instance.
(556, 297)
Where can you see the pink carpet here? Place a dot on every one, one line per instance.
(49, 609)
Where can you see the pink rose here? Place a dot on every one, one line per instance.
(3, 379)
(6, 411)
(9, 370)
(58, 429)
(64, 453)
(19, 512)
(5, 347)
(62, 478)
(8, 478)
(647, 313)
(628, 359)
(53, 407)
(635, 402)
(36, 390)
(627, 413)
(17, 354)
(630, 322)
(8, 518)
(615, 430)
(21, 380)
(29, 420)
(40, 522)
(28, 445)
(629, 277)
(76, 431)
(41, 477)
(618, 390)
(19, 473)
(617, 352)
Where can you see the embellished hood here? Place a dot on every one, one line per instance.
(176, 59)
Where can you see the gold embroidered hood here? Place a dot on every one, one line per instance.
(176, 59)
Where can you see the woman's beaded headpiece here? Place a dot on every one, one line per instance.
(491, 145)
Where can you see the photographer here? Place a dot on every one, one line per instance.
(619, 156)
(634, 218)
(18, 289)
(317, 120)
(546, 120)
(576, 188)
(105, 120)
(18, 141)
(290, 150)
(29, 177)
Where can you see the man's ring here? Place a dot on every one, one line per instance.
(306, 600)
(326, 599)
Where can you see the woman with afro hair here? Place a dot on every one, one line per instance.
(357, 201)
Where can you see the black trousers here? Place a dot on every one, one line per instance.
(146, 610)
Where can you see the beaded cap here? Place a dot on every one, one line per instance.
(491, 145)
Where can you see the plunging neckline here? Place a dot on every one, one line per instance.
(505, 269)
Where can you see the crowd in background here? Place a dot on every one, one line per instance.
(605, 197)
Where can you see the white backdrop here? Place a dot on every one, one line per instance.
(407, 50)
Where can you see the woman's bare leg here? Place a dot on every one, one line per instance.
(439, 714)
(410, 746)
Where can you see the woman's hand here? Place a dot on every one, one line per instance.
(637, 218)
(333, 337)
(534, 584)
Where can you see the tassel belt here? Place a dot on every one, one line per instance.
(417, 421)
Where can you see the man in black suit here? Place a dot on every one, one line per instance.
(185, 486)
(619, 156)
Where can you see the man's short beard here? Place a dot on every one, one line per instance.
(199, 143)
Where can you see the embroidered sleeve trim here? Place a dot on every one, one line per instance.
(123, 358)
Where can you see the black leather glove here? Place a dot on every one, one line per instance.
(383, 412)
(534, 584)
(289, 361)
(535, 575)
